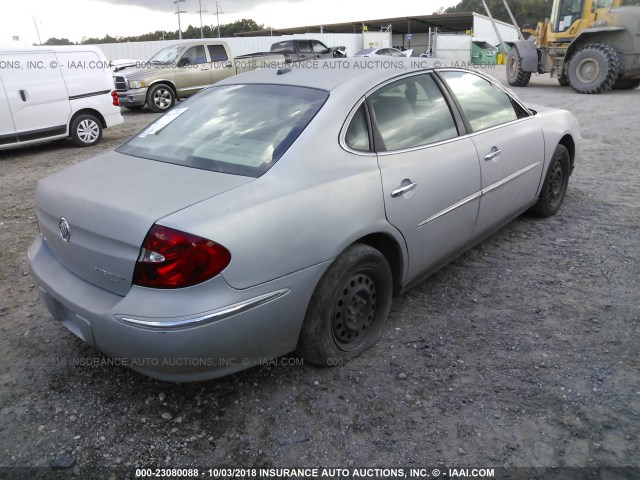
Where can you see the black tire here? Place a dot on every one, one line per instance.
(134, 107)
(555, 184)
(515, 75)
(86, 130)
(348, 308)
(594, 68)
(626, 84)
(563, 80)
(160, 98)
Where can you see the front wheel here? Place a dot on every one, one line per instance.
(626, 84)
(348, 308)
(160, 98)
(516, 76)
(86, 130)
(555, 184)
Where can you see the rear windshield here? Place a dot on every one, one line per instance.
(237, 129)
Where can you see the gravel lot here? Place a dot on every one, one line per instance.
(523, 352)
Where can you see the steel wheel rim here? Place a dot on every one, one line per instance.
(556, 183)
(513, 65)
(162, 98)
(588, 70)
(88, 131)
(354, 311)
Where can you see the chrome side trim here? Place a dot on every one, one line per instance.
(451, 208)
(205, 319)
(506, 180)
(479, 194)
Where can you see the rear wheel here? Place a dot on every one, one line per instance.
(348, 308)
(160, 98)
(594, 68)
(555, 184)
(516, 76)
(86, 130)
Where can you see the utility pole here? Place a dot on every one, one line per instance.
(218, 17)
(37, 30)
(201, 12)
(178, 12)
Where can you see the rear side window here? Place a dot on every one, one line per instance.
(282, 47)
(217, 53)
(304, 46)
(485, 105)
(357, 134)
(411, 112)
(230, 129)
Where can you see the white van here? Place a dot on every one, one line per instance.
(48, 93)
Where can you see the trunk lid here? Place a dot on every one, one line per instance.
(109, 203)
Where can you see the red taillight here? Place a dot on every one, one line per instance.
(114, 95)
(173, 259)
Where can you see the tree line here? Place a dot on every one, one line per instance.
(191, 32)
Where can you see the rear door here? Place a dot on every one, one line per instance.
(7, 130)
(36, 94)
(510, 145)
(221, 67)
(430, 174)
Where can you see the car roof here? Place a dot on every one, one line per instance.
(362, 73)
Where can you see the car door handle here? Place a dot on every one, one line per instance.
(407, 186)
(494, 153)
(23, 95)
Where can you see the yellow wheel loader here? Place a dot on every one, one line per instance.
(592, 45)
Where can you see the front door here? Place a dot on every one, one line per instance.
(510, 145)
(193, 72)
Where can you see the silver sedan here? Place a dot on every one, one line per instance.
(280, 211)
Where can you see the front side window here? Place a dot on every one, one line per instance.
(230, 129)
(194, 56)
(485, 104)
(319, 47)
(411, 112)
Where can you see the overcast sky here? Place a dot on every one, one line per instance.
(75, 19)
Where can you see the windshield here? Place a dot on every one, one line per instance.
(237, 129)
(366, 51)
(166, 56)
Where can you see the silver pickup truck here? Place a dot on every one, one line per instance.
(182, 70)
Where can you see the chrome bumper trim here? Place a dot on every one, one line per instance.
(203, 319)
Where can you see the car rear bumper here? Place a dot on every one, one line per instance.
(191, 334)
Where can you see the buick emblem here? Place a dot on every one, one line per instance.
(65, 231)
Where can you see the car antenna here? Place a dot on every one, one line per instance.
(282, 71)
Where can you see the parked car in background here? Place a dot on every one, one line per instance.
(48, 93)
(181, 70)
(280, 210)
(300, 50)
(382, 52)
